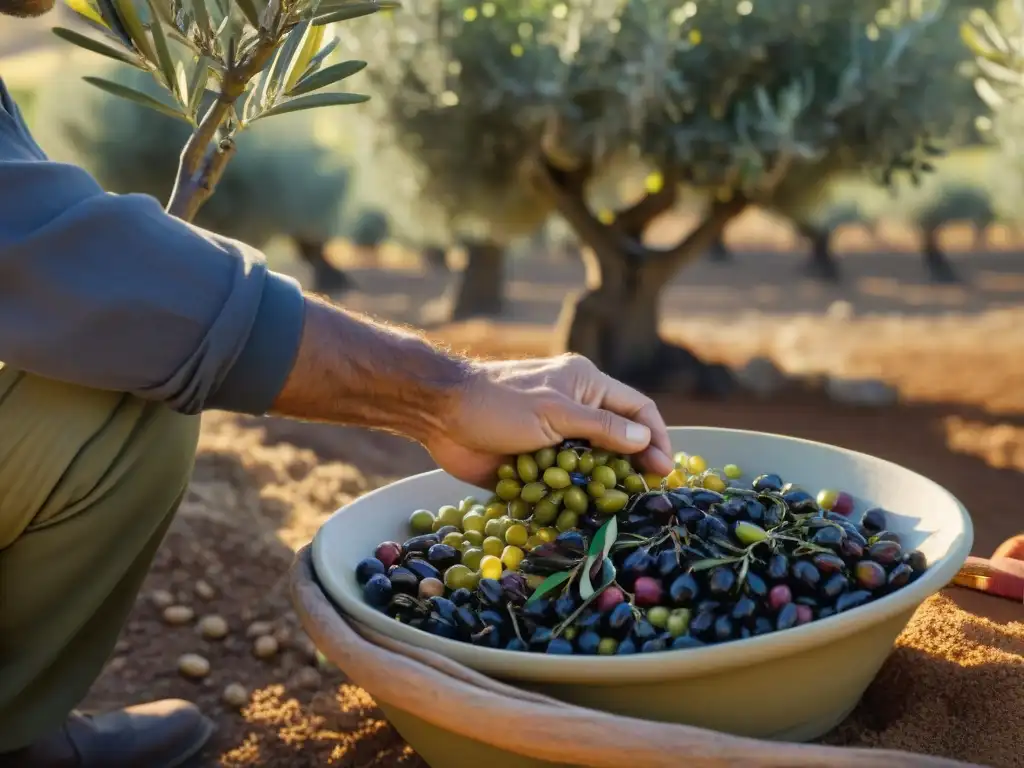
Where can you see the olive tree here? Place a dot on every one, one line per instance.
(512, 110)
(222, 65)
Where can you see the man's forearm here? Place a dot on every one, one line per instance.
(351, 370)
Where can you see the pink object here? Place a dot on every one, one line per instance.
(609, 599)
(780, 595)
(388, 553)
(803, 614)
(844, 504)
(647, 591)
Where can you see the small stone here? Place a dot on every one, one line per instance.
(122, 646)
(204, 590)
(259, 628)
(762, 377)
(162, 599)
(840, 310)
(194, 666)
(283, 635)
(307, 678)
(869, 392)
(178, 614)
(265, 646)
(235, 695)
(213, 627)
(116, 664)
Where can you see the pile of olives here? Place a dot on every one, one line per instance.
(578, 553)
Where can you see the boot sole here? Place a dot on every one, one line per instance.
(209, 728)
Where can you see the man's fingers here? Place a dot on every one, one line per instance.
(602, 428)
(636, 406)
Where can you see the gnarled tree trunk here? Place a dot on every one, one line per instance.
(719, 252)
(822, 263)
(326, 277)
(935, 260)
(434, 256)
(478, 290)
(614, 321)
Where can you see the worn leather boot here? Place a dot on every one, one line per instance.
(162, 734)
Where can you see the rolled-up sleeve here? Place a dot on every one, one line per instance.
(109, 291)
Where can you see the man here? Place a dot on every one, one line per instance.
(118, 324)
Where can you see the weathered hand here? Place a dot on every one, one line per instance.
(506, 408)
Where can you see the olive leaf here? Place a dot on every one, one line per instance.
(599, 548)
(91, 44)
(714, 562)
(129, 16)
(113, 22)
(88, 11)
(313, 101)
(551, 583)
(279, 68)
(321, 56)
(608, 575)
(248, 9)
(202, 16)
(163, 55)
(742, 576)
(197, 85)
(352, 11)
(138, 97)
(333, 74)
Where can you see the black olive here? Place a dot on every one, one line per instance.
(874, 520)
(491, 592)
(689, 516)
(744, 609)
(681, 497)
(835, 585)
(869, 575)
(800, 501)
(745, 633)
(763, 625)
(722, 580)
(443, 607)
(438, 626)
(565, 605)
(830, 537)
(886, 536)
(916, 560)
(754, 510)
(514, 586)
(828, 563)
(658, 505)
(461, 596)
(755, 585)
(900, 575)
(639, 563)
(768, 482)
(444, 530)
(643, 630)
(685, 641)
(773, 514)
(492, 618)
(515, 644)
(626, 647)
(571, 543)
(712, 526)
(805, 573)
(443, 557)
(541, 637)
(787, 617)
(654, 645)
(811, 602)
(817, 523)
(885, 552)
(538, 610)
(560, 646)
(368, 567)
(707, 606)
(620, 620)
(683, 590)
(668, 564)
(852, 600)
(778, 567)
(589, 620)
(587, 642)
(466, 620)
(851, 549)
(423, 569)
(703, 498)
(420, 543)
(732, 509)
(403, 580)
(827, 611)
(724, 628)
(701, 624)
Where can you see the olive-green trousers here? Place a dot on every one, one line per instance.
(89, 482)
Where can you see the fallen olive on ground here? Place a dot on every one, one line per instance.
(579, 553)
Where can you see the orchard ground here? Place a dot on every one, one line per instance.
(262, 487)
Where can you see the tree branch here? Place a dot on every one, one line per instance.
(634, 220)
(194, 183)
(693, 246)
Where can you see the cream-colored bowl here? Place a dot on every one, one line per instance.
(794, 685)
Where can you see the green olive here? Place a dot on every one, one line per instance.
(436, 526)
(471, 557)
(613, 501)
(492, 527)
(449, 515)
(545, 458)
(544, 512)
(634, 484)
(453, 539)
(555, 497)
(533, 492)
(421, 521)
(576, 500)
(528, 471)
(556, 477)
(494, 510)
(586, 463)
(468, 503)
(568, 460)
(458, 577)
(476, 538)
(595, 489)
(519, 509)
(600, 458)
(473, 521)
(508, 489)
(567, 520)
(605, 476)
(506, 523)
(622, 468)
(506, 472)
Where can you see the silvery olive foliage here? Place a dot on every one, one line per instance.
(256, 58)
(732, 96)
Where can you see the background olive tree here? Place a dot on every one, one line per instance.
(222, 66)
(511, 110)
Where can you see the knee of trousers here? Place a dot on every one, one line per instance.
(63, 447)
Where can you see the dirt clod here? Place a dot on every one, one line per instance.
(178, 614)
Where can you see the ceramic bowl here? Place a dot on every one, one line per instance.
(791, 685)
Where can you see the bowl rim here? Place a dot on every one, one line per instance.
(637, 668)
